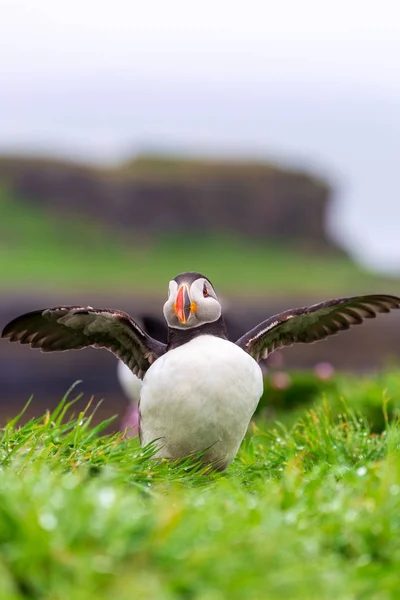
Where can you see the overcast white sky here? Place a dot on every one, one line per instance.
(309, 82)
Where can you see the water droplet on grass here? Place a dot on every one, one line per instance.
(351, 515)
(215, 524)
(106, 497)
(48, 521)
(364, 560)
(290, 517)
(394, 490)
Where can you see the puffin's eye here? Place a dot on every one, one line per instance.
(205, 291)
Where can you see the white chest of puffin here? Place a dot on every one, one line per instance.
(199, 390)
(200, 396)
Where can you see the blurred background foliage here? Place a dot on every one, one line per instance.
(42, 250)
(253, 228)
(288, 394)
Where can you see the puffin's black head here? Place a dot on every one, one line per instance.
(191, 302)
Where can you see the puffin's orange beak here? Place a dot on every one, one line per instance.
(183, 306)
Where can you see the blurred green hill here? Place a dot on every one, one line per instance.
(68, 226)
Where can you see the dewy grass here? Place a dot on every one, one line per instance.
(307, 512)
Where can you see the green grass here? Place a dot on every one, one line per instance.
(42, 251)
(367, 395)
(307, 512)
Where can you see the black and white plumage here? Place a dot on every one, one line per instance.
(131, 385)
(75, 327)
(199, 389)
(313, 323)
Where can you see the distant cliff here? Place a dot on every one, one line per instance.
(155, 194)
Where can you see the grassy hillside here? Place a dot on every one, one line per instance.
(42, 251)
(311, 512)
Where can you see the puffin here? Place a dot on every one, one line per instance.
(199, 390)
(131, 385)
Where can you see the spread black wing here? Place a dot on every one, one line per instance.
(75, 327)
(312, 323)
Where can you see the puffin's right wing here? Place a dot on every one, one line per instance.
(312, 323)
(75, 327)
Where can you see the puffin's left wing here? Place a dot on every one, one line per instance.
(312, 323)
(75, 327)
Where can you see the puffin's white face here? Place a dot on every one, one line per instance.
(191, 304)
